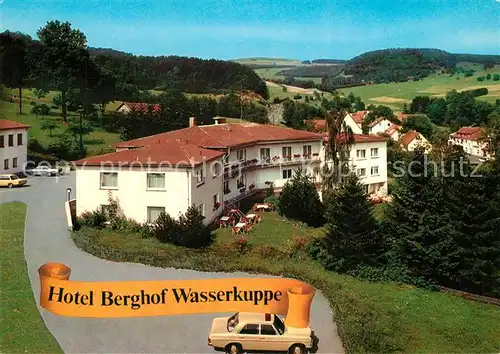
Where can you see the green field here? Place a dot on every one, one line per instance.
(395, 95)
(21, 326)
(371, 317)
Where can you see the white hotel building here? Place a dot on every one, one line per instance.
(210, 166)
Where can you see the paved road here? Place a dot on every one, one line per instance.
(47, 240)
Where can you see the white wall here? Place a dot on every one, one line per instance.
(204, 193)
(132, 192)
(419, 141)
(356, 129)
(380, 127)
(471, 147)
(16, 151)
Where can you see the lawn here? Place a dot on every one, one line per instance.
(96, 142)
(371, 317)
(396, 95)
(22, 328)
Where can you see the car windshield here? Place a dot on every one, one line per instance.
(280, 326)
(232, 322)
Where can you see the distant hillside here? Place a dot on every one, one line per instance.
(328, 61)
(313, 70)
(402, 64)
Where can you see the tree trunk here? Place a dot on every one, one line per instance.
(63, 106)
(20, 100)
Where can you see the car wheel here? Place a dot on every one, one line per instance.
(10, 185)
(234, 348)
(297, 349)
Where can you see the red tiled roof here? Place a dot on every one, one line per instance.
(468, 133)
(393, 129)
(8, 124)
(225, 135)
(168, 154)
(375, 122)
(318, 124)
(141, 107)
(359, 116)
(407, 138)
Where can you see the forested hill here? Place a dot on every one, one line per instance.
(192, 75)
(401, 64)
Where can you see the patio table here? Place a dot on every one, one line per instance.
(240, 225)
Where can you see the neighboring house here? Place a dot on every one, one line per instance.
(393, 131)
(379, 125)
(468, 138)
(13, 146)
(368, 159)
(355, 121)
(413, 139)
(127, 107)
(199, 165)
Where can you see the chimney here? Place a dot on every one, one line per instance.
(192, 121)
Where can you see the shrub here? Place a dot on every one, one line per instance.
(295, 245)
(241, 245)
(166, 228)
(488, 76)
(268, 251)
(95, 219)
(496, 77)
(480, 78)
(193, 232)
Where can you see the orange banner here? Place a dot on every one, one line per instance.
(64, 297)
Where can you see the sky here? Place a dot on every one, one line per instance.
(298, 29)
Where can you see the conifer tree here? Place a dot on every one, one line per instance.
(300, 200)
(352, 236)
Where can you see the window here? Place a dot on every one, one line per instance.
(6, 164)
(250, 329)
(374, 152)
(154, 212)
(201, 209)
(216, 200)
(361, 154)
(306, 150)
(287, 173)
(2, 141)
(4, 178)
(156, 181)
(20, 139)
(374, 170)
(14, 162)
(287, 153)
(200, 178)
(241, 155)
(225, 159)
(226, 187)
(232, 322)
(361, 172)
(109, 180)
(267, 330)
(11, 139)
(216, 169)
(278, 323)
(365, 188)
(265, 155)
(240, 182)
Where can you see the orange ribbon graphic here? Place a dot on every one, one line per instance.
(64, 297)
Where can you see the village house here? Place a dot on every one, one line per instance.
(13, 146)
(379, 125)
(127, 107)
(413, 139)
(469, 139)
(355, 121)
(393, 131)
(210, 166)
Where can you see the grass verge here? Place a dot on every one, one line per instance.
(371, 317)
(22, 328)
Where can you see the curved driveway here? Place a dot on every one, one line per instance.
(47, 240)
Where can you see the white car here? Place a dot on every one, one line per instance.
(45, 171)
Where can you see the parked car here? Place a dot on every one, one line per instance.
(11, 180)
(258, 331)
(45, 171)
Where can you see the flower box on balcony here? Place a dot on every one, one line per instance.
(240, 185)
(307, 156)
(297, 156)
(252, 186)
(227, 191)
(276, 158)
(242, 189)
(316, 154)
